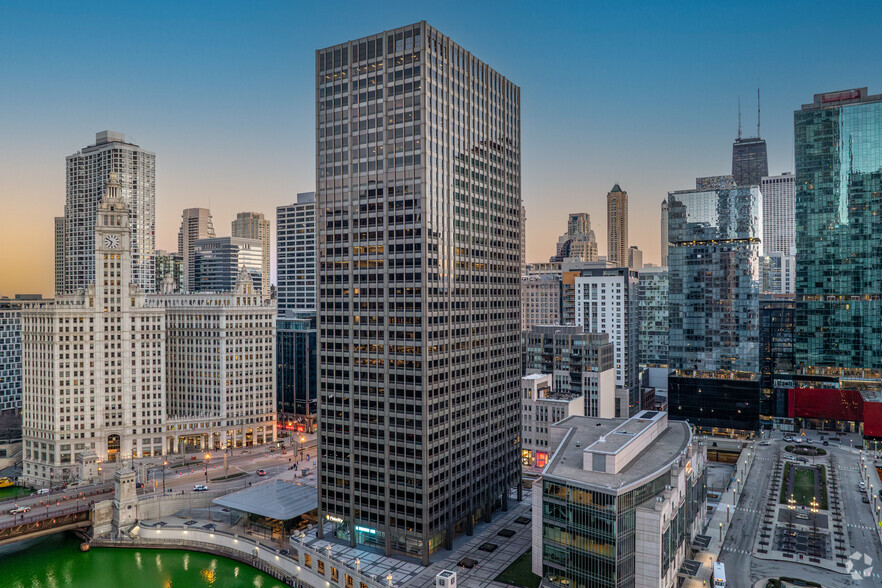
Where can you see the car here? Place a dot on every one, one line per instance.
(862, 486)
(200, 488)
(765, 444)
(139, 485)
(865, 500)
(19, 510)
(807, 440)
(802, 516)
(43, 491)
(261, 472)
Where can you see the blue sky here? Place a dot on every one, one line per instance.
(642, 93)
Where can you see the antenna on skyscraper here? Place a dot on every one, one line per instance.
(739, 118)
(757, 113)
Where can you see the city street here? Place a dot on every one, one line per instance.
(739, 541)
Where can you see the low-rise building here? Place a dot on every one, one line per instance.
(619, 502)
(541, 407)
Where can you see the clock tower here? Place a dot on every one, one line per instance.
(113, 252)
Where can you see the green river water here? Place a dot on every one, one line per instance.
(56, 561)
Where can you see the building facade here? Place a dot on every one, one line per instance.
(664, 233)
(219, 261)
(221, 373)
(778, 272)
(87, 172)
(714, 347)
(10, 355)
(779, 210)
(606, 302)
(296, 372)
(541, 407)
(619, 502)
(581, 364)
(617, 227)
(635, 257)
(777, 362)
(253, 225)
(419, 263)
(94, 363)
(838, 140)
(169, 264)
(295, 255)
(196, 224)
(59, 253)
(750, 161)
(540, 300)
(654, 317)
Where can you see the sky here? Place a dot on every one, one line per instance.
(644, 94)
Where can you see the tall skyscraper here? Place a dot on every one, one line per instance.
(295, 255)
(196, 224)
(253, 225)
(664, 233)
(59, 254)
(219, 261)
(579, 240)
(87, 173)
(714, 265)
(779, 201)
(838, 140)
(617, 227)
(750, 162)
(419, 253)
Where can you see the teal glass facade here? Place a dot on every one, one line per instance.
(838, 150)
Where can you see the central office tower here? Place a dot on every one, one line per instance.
(418, 190)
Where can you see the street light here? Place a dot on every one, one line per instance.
(164, 463)
(207, 459)
(721, 535)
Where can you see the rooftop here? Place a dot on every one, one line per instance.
(275, 499)
(613, 436)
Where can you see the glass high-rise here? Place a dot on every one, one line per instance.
(419, 258)
(714, 272)
(253, 225)
(838, 141)
(750, 161)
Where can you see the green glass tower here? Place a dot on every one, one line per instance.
(838, 148)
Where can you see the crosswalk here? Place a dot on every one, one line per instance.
(853, 526)
(733, 550)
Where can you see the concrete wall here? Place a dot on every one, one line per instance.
(259, 555)
(536, 555)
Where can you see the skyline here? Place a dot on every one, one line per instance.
(226, 87)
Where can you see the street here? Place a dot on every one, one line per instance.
(743, 569)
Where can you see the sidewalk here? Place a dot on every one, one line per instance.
(718, 526)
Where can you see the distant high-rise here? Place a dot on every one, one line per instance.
(253, 225)
(779, 201)
(196, 224)
(838, 149)
(664, 233)
(10, 355)
(59, 254)
(750, 162)
(419, 262)
(295, 255)
(617, 227)
(579, 240)
(169, 265)
(219, 261)
(635, 257)
(88, 171)
(654, 320)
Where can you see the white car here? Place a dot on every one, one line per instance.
(200, 488)
(19, 510)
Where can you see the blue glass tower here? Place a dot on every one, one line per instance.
(838, 149)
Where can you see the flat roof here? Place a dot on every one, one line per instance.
(275, 499)
(659, 455)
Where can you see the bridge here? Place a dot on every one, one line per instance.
(48, 514)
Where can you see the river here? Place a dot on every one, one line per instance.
(56, 561)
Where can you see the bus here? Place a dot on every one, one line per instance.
(719, 575)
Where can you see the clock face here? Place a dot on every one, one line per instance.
(111, 241)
